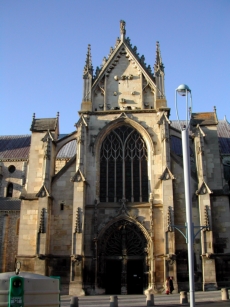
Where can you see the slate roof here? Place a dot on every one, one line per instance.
(8, 203)
(67, 151)
(204, 119)
(223, 132)
(14, 147)
(17, 147)
(176, 145)
(44, 124)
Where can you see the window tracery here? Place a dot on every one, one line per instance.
(123, 166)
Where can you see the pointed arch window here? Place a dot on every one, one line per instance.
(123, 166)
(9, 191)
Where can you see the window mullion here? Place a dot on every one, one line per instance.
(123, 171)
(132, 197)
(115, 180)
(140, 180)
(107, 179)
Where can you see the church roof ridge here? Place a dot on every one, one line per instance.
(44, 124)
(113, 52)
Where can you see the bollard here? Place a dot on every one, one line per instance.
(149, 299)
(224, 294)
(74, 301)
(183, 297)
(113, 301)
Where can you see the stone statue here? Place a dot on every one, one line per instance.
(122, 27)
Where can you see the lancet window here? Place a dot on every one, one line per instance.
(9, 191)
(123, 166)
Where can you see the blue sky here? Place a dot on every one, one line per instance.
(43, 45)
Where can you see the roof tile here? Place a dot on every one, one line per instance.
(7, 203)
(14, 147)
(44, 124)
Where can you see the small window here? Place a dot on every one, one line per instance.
(9, 191)
(11, 168)
(17, 226)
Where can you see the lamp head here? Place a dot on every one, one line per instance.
(183, 89)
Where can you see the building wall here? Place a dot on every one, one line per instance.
(9, 232)
(17, 178)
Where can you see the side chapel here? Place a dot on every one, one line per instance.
(98, 206)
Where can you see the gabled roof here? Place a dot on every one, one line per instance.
(44, 124)
(123, 47)
(204, 119)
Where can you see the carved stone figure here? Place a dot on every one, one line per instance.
(122, 27)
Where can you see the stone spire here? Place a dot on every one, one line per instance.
(122, 29)
(87, 82)
(158, 63)
(159, 77)
(88, 69)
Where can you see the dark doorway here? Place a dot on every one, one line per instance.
(123, 260)
(113, 277)
(135, 277)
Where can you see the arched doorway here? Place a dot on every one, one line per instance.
(123, 259)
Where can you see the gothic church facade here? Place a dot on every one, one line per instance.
(97, 207)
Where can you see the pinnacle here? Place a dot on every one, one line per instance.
(88, 63)
(122, 29)
(158, 63)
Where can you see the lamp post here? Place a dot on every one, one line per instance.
(184, 90)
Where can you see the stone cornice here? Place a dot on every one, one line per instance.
(14, 160)
(123, 111)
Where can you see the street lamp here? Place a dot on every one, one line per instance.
(184, 90)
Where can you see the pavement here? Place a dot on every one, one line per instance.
(202, 299)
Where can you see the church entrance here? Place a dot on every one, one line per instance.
(123, 259)
(135, 277)
(113, 277)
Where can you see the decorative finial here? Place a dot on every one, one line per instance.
(33, 116)
(158, 63)
(110, 51)
(88, 69)
(104, 60)
(122, 29)
(57, 114)
(117, 42)
(214, 108)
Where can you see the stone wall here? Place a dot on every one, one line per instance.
(9, 227)
(17, 178)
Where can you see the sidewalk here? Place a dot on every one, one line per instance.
(202, 299)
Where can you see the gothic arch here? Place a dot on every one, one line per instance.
(119, 122)
(110, 243)
(128, 219)
(143, 186)
(124, 242)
